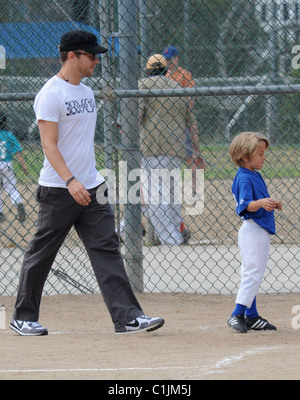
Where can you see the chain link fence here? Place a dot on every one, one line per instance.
(243, 57)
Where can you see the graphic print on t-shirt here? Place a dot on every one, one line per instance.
(74, 107)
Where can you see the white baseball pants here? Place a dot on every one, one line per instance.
(254, 245)
(8, 181)
(163, 199)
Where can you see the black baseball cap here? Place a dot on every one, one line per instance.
(80, 40)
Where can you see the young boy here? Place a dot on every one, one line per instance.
(256, 208)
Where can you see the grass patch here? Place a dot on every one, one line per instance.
(281, 162)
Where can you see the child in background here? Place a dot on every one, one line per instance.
(10, 147)
(256, 208)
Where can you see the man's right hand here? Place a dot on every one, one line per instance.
(79, 192)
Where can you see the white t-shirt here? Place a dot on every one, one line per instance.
(73, 107)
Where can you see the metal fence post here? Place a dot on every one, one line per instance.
(133, 242)
(107, 106)
(272, 101)
(143, 34)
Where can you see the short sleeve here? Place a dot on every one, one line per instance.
(47, 106)
(245, 197)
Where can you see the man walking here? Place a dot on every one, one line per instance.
(66, 113)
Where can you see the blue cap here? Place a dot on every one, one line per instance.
(170, 52)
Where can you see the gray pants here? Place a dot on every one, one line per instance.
(58, 213)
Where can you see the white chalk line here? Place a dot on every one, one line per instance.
(215, 368)
(228, 362)
(18, 371)
(59, 333)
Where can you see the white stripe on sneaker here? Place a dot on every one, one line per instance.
(259, 324)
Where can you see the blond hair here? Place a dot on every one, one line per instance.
(245, 145)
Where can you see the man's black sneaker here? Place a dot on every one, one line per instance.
(259, 324)
(27, 328)
(140, 324)
(238, 323)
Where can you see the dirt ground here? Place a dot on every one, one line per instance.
(194, 344)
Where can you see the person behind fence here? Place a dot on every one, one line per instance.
(68, 192)
(117, 124)
(179, 74)
(10, 148)
(185, 79)
(164, 121)
(256, 208)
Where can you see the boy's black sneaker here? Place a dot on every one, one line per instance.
(238, 323)
(259, 324)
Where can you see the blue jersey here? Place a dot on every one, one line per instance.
(250, 186)
(9, 146)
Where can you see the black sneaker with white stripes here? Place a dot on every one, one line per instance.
(259, 324)
(238, 323)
